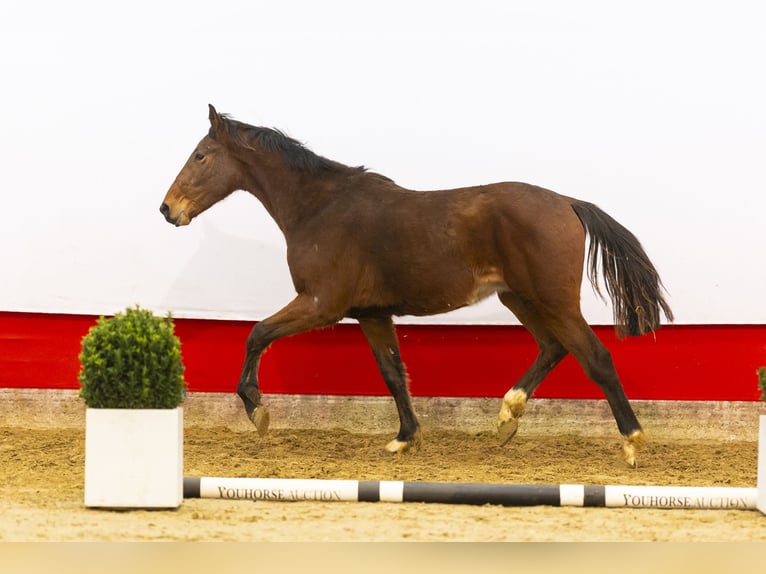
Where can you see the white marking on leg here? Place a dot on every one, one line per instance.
(514, 405)
(517, 401)
(632, 444)
(397, 446)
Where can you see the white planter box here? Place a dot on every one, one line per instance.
(134, 458)
(761, 502)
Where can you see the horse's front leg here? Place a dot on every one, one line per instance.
(381, 336)
(247, 389)
(302, 314)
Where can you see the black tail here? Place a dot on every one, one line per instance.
(631, 280)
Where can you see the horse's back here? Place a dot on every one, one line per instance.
(415, 212)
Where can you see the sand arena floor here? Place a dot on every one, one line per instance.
(42, 448)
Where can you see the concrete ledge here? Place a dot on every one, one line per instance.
(730, 420)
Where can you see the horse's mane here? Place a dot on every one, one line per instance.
(296, 155)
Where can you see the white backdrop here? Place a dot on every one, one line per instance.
(656, 111)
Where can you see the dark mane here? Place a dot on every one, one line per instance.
(296, 155)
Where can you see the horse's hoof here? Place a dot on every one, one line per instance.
(400, 447)
(395, 447)
(631, 444)
(506, 430)
(260, 418)
(514, 405)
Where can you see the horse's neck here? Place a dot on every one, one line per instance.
(288, 196)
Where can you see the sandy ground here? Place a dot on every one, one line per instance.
(41, 488)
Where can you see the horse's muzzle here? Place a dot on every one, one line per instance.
(165, 211)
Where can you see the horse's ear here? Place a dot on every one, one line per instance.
(215, 119)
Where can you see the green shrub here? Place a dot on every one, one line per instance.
(762, 382)
(132, 361)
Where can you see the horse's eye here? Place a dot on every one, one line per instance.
(199, 156)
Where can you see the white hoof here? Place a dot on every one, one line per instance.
(506, 430)
(631, 444)
(397, 447)
(514, 405)
(260, 418)
(400, 447)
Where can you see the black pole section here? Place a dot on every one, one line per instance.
(191, 487)
(594, 496)
(468, 493)
(369, 491)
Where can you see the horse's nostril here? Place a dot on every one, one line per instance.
(165, 210)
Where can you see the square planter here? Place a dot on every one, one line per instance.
(761, 501)
(134, 458)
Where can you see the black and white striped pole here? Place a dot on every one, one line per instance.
(290, 489)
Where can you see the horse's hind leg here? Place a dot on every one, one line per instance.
(551, 352)
(580, 340)
(381, 336)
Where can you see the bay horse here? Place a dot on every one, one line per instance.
(360, 246)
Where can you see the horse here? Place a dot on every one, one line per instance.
(360, 246)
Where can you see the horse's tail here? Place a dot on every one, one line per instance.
(631, 280)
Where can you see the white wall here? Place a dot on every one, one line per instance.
(654, 110)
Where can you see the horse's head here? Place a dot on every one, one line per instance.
(210, 174)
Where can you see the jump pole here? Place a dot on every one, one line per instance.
(293, 489)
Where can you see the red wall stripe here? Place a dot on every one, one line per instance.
(680, 362)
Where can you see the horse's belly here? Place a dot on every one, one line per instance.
(454, 296)
(422, 294)
(485, 289)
